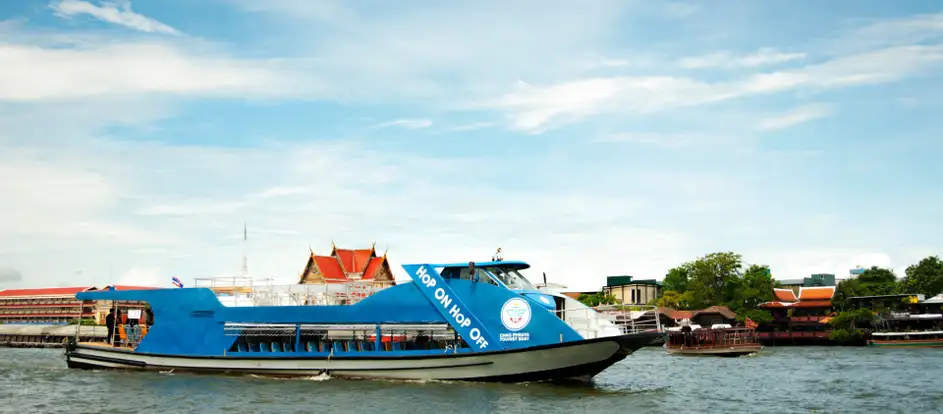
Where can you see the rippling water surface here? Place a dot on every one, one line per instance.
(779, 380)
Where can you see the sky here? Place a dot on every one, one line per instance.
(586, 138)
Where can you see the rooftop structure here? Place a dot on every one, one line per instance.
(669, 317)
(815, 280)
(808, 297)
(630, 291)
(344, 265)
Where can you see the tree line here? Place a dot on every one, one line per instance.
(924, 277)
(724, 279)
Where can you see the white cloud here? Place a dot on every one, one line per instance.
(138, 276)
(533, 108)
(910, 30)
(154, 210)
(443, 52)
(123, 69)
(119, 13)
(407, 123)
(762, 57)
(796, 116)
(674, 140)
(474, 126)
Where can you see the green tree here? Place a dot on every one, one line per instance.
(845, 289)
(755, 315)
(848, 327)
(713, 278)
(872, 282)
(879, 281)
(677, 279)
(925, 277)
(719, 279)
(675, 300)
(596, 299)
(757, 286)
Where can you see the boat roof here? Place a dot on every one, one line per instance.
(513, 264)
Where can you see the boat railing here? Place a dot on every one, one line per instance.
(713, 337)
(607, 320)
(246, 292)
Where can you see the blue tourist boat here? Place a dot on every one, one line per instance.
(465, 321)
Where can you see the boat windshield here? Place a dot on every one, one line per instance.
(511, 278)
(492, 274)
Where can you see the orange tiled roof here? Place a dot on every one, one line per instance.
(330, 268)
(812, 304)
(375, 264)
(679, 314)
(816, 293)
(354, 261)
(785, 295)
(775, 304)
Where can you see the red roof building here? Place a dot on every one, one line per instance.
(344, 265)
(799, 319)
(51, 305)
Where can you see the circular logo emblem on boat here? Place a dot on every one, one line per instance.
(515, 314)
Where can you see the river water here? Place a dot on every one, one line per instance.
(779, 380)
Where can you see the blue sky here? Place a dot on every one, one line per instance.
(590, 139)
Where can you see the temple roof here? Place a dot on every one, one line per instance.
(345, 265)
(816, 293)
(354, 261)
(809, 297)
(785, 295)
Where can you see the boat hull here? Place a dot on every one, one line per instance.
(726, 351)
(930, 343)
(579, 360)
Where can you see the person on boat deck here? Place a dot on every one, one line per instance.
(115, 339)
(472, 272)
(110, 324)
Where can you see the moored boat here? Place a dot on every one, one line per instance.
(920, 339)
(476, 321)
(728, 342)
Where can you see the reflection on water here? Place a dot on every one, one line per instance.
(779, 380)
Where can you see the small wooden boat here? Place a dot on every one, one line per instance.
(726, 342)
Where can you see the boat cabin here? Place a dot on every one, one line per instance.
(716, 342)
(505, 274)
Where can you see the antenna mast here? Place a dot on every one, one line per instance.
(245, 259)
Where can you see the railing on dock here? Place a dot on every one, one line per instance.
(244, 291)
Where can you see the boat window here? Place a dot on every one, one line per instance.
(511, 278)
